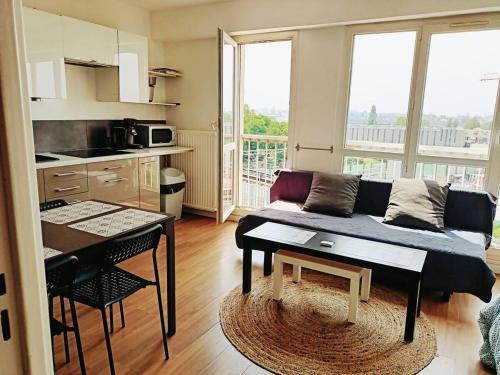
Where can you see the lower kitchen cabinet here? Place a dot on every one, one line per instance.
(149, 183)
(131, 182)
(114, 182)
(41, 185)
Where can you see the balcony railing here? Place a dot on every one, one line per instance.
(262, 155)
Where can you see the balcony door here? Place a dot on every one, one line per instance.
(228, 125)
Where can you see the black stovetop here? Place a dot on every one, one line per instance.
(92, 152)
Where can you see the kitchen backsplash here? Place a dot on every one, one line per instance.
(59, 135)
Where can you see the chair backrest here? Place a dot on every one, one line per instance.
(60, 273)
(129, 246)
(52, 204)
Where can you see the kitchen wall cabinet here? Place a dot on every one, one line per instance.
(44, 54)
(149, 183)
(129, 83)
(88, 42)
(133, 67)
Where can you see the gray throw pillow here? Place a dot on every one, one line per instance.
(417, 204)
(333, 194)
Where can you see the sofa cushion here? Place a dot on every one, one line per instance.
(417, 204)
(373, 197)
(333, 194)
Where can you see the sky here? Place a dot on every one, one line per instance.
(382, 67)
(267, 74)
(381, 73)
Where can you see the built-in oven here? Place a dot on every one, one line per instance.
(156, 135)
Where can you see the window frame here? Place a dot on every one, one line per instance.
(410, 157)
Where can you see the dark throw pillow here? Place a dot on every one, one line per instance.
(417, 204)
(333, 194)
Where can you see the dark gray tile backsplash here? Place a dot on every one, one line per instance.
(59, 135)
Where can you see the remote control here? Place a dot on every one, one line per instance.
(327, 243)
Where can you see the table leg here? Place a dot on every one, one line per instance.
(268, 262)
(170, 249)
(247, 269)
(419, 305)
(411, 309)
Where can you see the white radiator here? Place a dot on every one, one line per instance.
(200, 167)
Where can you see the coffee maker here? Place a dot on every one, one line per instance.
(123, 136)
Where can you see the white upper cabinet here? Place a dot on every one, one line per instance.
(133, 67)
(43, 34)
(87, 42)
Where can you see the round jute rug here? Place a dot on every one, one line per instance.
(307, 331)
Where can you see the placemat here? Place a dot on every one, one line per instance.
(118, 222)
(77, 211)
(49, 252)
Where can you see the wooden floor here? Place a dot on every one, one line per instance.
(208, 266)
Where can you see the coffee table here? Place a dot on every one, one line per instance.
(405, 262)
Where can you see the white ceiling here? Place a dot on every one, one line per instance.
(169, 4)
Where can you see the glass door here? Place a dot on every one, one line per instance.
(228, 125)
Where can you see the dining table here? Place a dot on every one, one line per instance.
(84, 233)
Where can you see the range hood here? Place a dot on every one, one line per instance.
(87, 63)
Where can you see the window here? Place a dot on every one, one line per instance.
(431, 117)
(380, 89)
(459, 100)
(266, 71)
(472, 178)
(380, 169)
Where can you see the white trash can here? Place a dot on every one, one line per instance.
(172, 184)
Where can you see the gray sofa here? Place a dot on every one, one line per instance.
(456, 257)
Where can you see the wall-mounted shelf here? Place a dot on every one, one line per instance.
(153, 73)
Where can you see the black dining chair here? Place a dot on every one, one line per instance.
(44, 206)
(60, 276)
(112, 284)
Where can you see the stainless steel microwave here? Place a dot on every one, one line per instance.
(156, 135)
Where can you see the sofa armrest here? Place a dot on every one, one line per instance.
(292, 186)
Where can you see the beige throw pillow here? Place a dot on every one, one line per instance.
(417, 204)
(333, 194)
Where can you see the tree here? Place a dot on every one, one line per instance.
(401, 121)
(372, 116)
(261, 124)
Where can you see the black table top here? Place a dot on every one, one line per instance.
(348, 249)
(70, 241)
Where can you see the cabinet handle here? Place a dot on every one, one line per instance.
(111, 168)
(117, 179)
(68, 188)
(65, 174)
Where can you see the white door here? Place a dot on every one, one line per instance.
(133, 63)
(228, 125)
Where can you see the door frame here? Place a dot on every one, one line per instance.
(241, 40)
(19, 181)
(222, 38)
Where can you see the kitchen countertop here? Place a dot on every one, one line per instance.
(133, 153)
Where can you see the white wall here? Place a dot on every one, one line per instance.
(81, 102)
(197, 89)
(252, 15)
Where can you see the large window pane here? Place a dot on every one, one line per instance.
(460, 176)
(380, 169)
(459, 99)
(379, 91)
